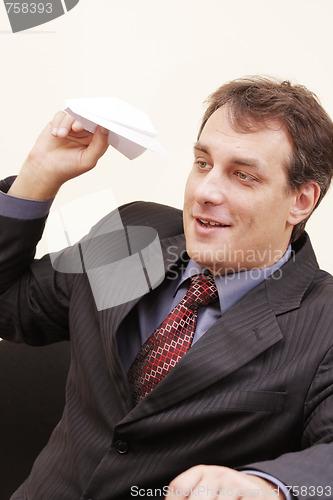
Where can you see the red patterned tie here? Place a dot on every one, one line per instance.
(170, 341)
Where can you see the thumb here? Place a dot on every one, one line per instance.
(97, 147)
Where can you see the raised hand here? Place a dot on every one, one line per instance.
(62, 151)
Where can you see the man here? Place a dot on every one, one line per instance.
(247, 410)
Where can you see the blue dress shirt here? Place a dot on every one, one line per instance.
(22, 208)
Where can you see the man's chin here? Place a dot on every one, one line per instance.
(215, 267)
(217, 264)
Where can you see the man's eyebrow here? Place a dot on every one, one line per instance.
(248, 162)
(242, 162)
(200, 147)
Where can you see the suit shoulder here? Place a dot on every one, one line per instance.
(317, 302)
(168, 221)
(322, 287)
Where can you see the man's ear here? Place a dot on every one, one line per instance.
(305, 200)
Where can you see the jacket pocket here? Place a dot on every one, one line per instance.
(252, 401)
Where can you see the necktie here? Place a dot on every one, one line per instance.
(170, 341)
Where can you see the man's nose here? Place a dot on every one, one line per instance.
(211, 189)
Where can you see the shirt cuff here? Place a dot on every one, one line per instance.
(21, 208)
(281, 486)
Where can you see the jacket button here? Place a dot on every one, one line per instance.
(121, 446)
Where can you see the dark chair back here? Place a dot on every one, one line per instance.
(32, 397)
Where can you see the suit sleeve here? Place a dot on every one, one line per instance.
(309, 472)
(33, 297)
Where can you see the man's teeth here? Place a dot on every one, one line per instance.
(209, 223)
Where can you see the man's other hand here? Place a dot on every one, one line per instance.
(215, 482)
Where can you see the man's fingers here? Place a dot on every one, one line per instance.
(214, 481)
(56, 122)
(77, 126)
(184, 484)
(57, 119)
(62, 124)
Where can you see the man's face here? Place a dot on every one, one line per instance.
(237, 207)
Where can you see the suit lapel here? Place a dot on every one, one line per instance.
(111, 318)
(172, 248)
(287, 286)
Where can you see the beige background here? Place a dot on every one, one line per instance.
(164, 57)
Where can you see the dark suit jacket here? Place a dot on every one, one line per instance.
(254, 392)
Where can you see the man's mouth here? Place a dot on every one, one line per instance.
(208, 223)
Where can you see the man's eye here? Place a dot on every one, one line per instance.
(243, 177)
(202, 164)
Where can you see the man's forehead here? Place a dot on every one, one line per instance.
(246, 123)
(225, 124)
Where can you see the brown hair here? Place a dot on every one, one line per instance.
(254, 102)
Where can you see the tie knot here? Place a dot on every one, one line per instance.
(202, 291)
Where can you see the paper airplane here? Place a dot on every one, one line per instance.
(130, 130)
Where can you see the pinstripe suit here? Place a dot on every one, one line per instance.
(254, 392)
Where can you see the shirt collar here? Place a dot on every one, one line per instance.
(232, 287)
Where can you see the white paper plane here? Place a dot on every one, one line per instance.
(130, 130)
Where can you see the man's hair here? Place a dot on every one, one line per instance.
(254, 102)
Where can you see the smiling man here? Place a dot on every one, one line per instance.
(218, 382)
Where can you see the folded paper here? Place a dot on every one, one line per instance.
(130, 130)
